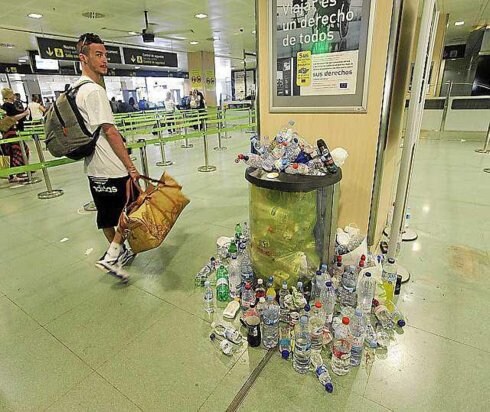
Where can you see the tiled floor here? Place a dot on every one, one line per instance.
(72, 338)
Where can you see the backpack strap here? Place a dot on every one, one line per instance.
(73, 88)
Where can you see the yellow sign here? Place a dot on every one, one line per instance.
(210, 80)
(303, 68)
(196, 79)
(59, 53)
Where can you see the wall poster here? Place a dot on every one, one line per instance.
(320, 51)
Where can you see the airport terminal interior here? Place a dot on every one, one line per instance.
(399, 90)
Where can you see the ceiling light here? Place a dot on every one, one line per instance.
(133, 33)
(93, 15)
(22, 60)
(201, 16)
(137, 67)
(35, 15)
(194, 42)
(459, 23)
(253, 31)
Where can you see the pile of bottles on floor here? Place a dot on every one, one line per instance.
(289, 153)
(321, 324)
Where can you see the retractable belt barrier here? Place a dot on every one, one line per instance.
(212, 122)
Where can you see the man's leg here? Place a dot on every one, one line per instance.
(109, 233)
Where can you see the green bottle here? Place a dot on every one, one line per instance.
(232, 249)
(222, 284)
(238, 231)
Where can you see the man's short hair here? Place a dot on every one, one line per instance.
(85, 40)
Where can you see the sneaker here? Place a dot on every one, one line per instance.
(126, 257)
(112, 267)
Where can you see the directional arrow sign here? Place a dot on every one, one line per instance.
(150, 57)
(67, 50)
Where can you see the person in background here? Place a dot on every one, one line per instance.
(143, 104)
(19, 105)
(47, 103)
(201, 107)
(132, 103)
(194, 104)
(113, 105)
(109, 168)
(13, 150)
(170, 110)
(36, 109)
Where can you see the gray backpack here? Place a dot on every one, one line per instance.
(66, 133)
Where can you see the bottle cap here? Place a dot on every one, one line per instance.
(318, 305)
(329, 387)
(345, 320)
(307, 307)
(363, 257)
(262, 299)
(367, 274)
(361, 263)
(401, 323)
(285, 354)
(260, 281)
(375, 303)
(328, 283)
(339, 258)
(391, 260)
(300, 284)
(318, 273)
(206, 284)
(303, 319)
(358, 312)
(248, 286)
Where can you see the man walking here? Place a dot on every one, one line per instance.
(109, 168)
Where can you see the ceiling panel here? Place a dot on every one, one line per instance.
(474, 13)
(220, 32)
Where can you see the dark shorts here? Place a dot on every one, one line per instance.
(109, 196)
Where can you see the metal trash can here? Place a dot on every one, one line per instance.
(293, 220)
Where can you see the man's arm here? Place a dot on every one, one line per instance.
(117, 144)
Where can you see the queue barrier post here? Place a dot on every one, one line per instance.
(220, 146)
(144, 159)
(164, 161)
(486, 148)
(30, 180)
(186, 145)
(206, 167)
(50, 193)
(225, 136)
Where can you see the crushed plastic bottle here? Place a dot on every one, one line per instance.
(234, 277)
(205, 271)
(365, 292)
(208, 298)
(321, 371)
(316, 325)
(284, 310)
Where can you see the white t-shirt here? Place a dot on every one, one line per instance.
(35, 108)
(169, 105)
(96, 110)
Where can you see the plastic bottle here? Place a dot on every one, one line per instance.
(388, 277)
(298, 169)
(398, 318)
(347, 292)
(328, 299)
(326, 157)
(251, 320)
(341, 349)
(361, 265)
(384, 316)
(205, 271)
(222, 285)
(316, 324)
(246, 232)
(252, 160)
(270, 288)
(246, 269)
(337, 268)
(284, 311)
(208, 298)
(270, 319)
(261, 305)
(234, 277)
(317, 285)
(232, 249)
(238, 231)
(321, 371)
(370, 337)
(365, 292)
(358, 330)
(248, 296)
(302, 346)
(285, 340)
(259, 289)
